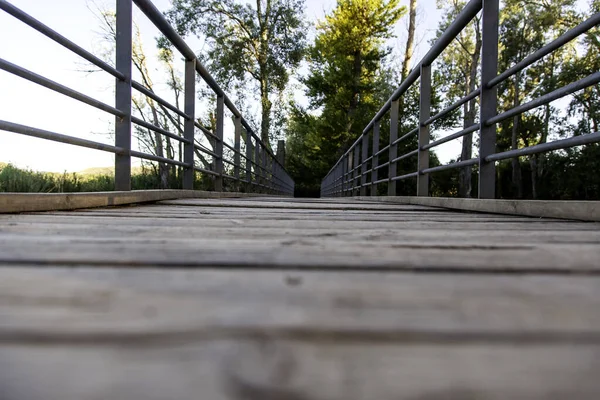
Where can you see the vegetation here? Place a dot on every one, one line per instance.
(254, 48)
(349, 79)
(259, 44)
(13, 179)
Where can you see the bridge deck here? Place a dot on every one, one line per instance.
(297, 299)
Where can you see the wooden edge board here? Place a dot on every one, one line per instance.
(576, 210)
(28, 202)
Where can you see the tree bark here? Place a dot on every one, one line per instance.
(356, 75)
(464, 182)
(266, 105)
(410, 41)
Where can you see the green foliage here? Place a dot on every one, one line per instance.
(349, 79)
(13, 179)
(259, 44)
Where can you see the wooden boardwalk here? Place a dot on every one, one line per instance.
(297, 299)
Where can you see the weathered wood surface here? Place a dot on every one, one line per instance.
(27, 202)
(290, 299)
(572, 209)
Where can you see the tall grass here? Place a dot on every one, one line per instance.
(13, 179)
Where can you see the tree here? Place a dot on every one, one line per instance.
(458, 72)
(262, 44)
(410, 40)
(144, 106)
(524, 28)
(348, 82)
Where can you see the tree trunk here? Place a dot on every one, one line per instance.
(356, 74)
(410, 41)
(464, 182)
(163, 171)
(265, 122)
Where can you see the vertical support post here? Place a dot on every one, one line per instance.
(273, 175)
(363, 169)
(489, 100)
(375, 161)
(392, 168)
(346, 163)
(424, 114)
(248, 161)
(356, 179)
(219, 143)
(237, 133)
(340, 178)
(123, 94)
(188, 126)
(257, 165)
(265, 163)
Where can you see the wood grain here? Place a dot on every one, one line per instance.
(302, 299)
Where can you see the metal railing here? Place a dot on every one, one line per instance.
(356, 172)
(260, 171)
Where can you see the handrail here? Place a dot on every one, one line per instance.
(263, 170)
(339, 181)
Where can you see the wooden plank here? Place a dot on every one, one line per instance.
(293, 205)
(151, 334)
(388, 306)
(199, 220)
(27, 202)
(315, 252)
(264, 367)
(243, 229)
(579, 210)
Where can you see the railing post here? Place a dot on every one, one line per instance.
(219, 143)
(248, 161)
(273, 175)
(392, 168)
(356, 180)
(237, 126)
(265, 161)
(345, 164)
(188, 126)
(123, 94)
(258, 172)
(375, 161)
(489, 100)
(363, 170)
(424, 114)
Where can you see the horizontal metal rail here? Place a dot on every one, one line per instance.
(457, 164)
(405, 176)
(353, 166)
(453, 107)
(269, 170)
(402, 157)
(207, 132)
(152, 157)
(547, 98)
(545, 147)
(205, 150)
(157, 129)
(407, 136)
(57, 137)
(58, 38)
(147, 92)
(549, 48)
(57, 87)
(448, 138)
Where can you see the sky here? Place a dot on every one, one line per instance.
(27, 103)
(30, 104)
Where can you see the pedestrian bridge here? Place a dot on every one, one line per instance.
(244, 292)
